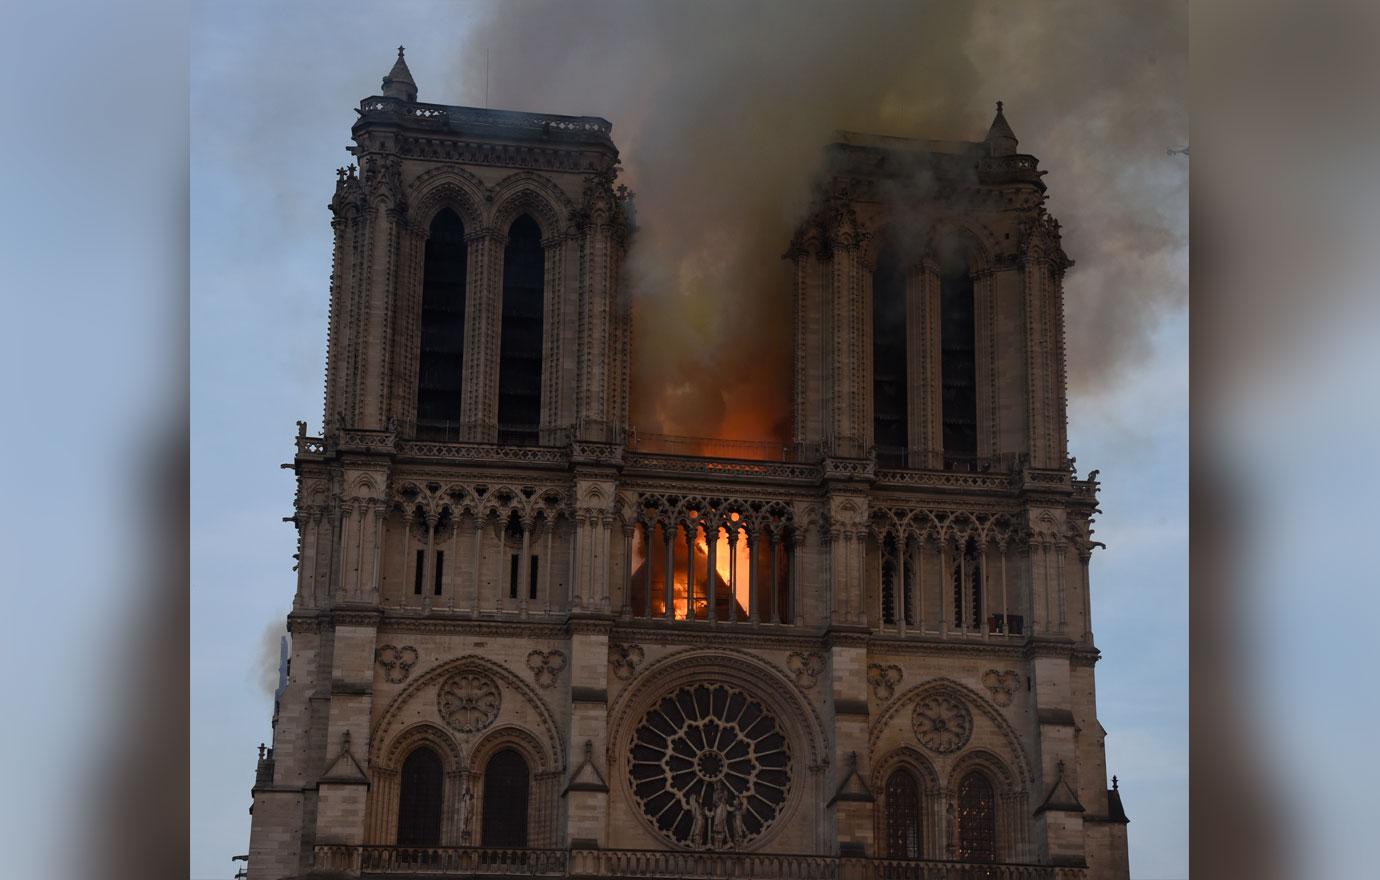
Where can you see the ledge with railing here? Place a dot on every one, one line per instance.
(386, 861)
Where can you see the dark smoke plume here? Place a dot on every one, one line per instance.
(722, 109)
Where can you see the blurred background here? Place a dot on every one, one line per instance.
(167, 173)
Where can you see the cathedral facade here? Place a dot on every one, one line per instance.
(528, 640)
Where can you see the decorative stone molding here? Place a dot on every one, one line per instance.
(546, 666)
(942, 723)
(805, 667)
(1001, 684)
(625, 659)
(883, 680)
(397, 663)
(469, 701)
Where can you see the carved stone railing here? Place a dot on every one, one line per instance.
(720, 467)
(310, 445)
(384, 861)
(715, 447)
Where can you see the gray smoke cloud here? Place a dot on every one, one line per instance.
(267, 656)
(722, 110)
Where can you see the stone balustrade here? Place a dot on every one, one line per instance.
(386, 861)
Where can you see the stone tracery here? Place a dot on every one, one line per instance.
(710, 767)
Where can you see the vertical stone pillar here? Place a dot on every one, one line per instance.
(586, 794)
(343, 787)
(925, 427)
(483, 316)
(852, 802)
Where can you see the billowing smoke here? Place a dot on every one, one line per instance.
(722, 109)
(269, 656)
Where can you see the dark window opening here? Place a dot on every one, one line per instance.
(902, 817)
(889, 579)
(419, 800)
(532, 578)
(969, 609)
(890, 432)
(440, 567)
(977, 819)
(443, 329)
(958, 365)
(505, 801)
(420, 574)
(520, 339)
(512, 575)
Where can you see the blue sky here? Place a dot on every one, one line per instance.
(272, 91)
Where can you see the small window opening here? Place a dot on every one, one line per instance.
(512, 576)
(440, 567)
(420, 574)
(532, 579)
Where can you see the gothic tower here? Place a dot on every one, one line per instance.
(526, 641)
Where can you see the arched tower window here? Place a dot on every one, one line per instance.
(958, 361)
(977, 819)
(902, 816)
(443, 329)
(419, 800)
(889, 411)
(520, 343)
(505, 801)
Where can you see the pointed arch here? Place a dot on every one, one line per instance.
(889, 356)
(522, 333)
(445, 272)
(526, 192)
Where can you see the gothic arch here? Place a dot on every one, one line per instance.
(990, 765)
(527, 192)
(970, 242)
(428, 681)
(904, 704)
(390, 755)
(930, 790)
(447, 187)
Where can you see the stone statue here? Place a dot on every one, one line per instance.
(696, 809)
(466, 810)
(718, 825)
(740, 833)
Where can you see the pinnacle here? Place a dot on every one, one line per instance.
(399, 82)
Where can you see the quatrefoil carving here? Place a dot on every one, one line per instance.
(883, 680)
(397, 663)
(806, 668)
(546, 666)
(1001, 684)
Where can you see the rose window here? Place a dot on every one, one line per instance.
(469, 701)
(710, 767)
(942, 724)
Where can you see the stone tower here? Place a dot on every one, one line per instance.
(528, 640)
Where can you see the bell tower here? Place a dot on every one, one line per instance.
(929, 317)
(475, 288)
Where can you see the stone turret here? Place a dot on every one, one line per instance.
(1000, 138)
(399, 83)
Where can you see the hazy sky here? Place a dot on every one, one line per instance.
(708, 97)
